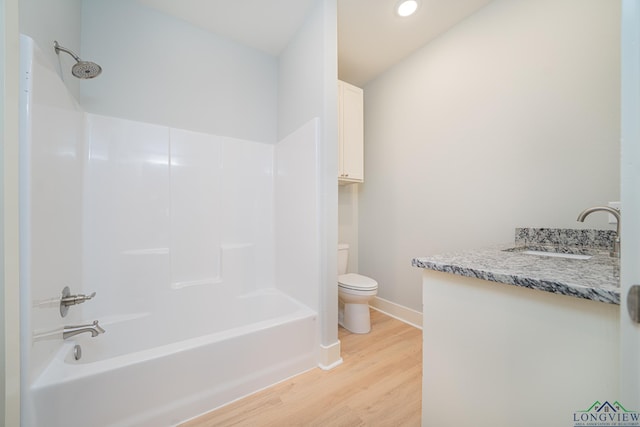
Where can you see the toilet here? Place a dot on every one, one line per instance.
(354, 293)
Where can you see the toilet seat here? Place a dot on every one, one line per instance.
(356, 282)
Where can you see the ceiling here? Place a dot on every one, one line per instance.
(371, 37)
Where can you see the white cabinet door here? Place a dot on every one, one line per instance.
(351, 124)
(630, 196)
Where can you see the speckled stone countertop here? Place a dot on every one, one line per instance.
(596, 278)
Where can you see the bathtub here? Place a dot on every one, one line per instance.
(152, 371)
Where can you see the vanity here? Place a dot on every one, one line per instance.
(524, 334)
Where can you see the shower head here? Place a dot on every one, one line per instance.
(82, 69)
(86, 70)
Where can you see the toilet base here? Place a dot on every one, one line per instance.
(355, 318)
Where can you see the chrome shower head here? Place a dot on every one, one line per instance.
(82, 69)
(86, 70)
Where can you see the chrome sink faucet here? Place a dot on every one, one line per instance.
(613, 211)
(94, 329)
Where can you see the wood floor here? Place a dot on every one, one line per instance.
(378, 384)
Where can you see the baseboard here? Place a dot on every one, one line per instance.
(397, 311)
(330, 356)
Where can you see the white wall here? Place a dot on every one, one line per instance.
(159, 69)
(348, 222)
(45, 21)
(307, 88)
(510, 119)
(301, 84)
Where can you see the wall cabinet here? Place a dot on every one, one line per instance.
(351, 128)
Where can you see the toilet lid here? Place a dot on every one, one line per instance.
(357, 282)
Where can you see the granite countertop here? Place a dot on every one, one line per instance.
(596, 278)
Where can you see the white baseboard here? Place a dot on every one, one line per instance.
(400, 312)
(330, 356)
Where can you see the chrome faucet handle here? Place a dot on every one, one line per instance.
(77, 299)
(68, 300)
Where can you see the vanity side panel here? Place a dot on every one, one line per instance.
(499, 355)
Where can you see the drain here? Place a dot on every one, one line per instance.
(77, 352)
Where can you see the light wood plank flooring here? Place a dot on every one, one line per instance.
(378, 384)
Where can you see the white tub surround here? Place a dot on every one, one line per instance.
(175, 231)
(51, 179)
(492, 337)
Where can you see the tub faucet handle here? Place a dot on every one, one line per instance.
(68, 300)
(77, 299)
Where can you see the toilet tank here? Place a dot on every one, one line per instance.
(343, 257)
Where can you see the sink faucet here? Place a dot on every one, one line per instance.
(93, 328)
(612, 211)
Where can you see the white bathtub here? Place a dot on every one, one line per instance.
(146, 371)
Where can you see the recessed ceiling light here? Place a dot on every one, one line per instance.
(407, 7)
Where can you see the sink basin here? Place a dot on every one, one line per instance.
(556, 254)
(567, 253)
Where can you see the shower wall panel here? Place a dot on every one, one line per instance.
(51, 168)
(297, 217)
(126, 223)
(221, 199)
(196, 186)
(163, 207)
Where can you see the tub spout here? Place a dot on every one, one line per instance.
(94, 329)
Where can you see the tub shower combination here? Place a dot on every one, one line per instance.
(153, 265)
(150, 370)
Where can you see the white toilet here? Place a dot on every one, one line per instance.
(354, 293)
